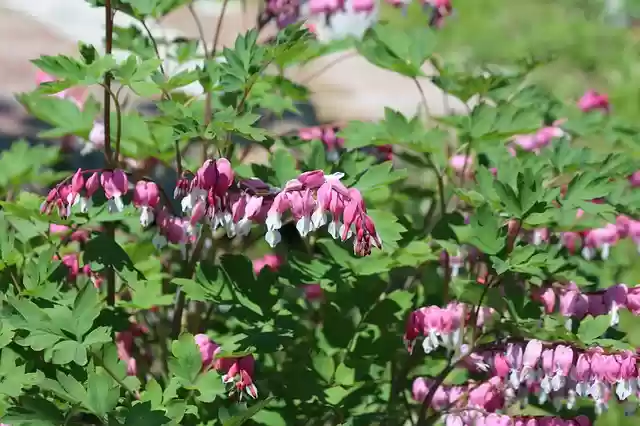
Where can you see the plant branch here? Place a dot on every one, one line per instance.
(422, 415)
(110, 274)
(153, 43)
(216, 37)
(328, 66)
(423, 98)
(443, 212)
(196, 20)
(181, 298)
(116, 104)
(108, 12)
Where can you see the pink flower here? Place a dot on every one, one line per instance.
(615, 297)
(530, 358)
(545, 135)
(78, 235)
(271, 261)
(439, 326)
(461, 163)
(600, 238)
(72, 262)
(571, 240)
(634, 179)
(208, 349)
(313, 292)
(115, 184)
(171, 229)
(633, 300)
(633, 229)
(239, 372)
(324, 6)
(547, 296)
(420, 389)
(146, 196)
(363, 5)
(593, 100)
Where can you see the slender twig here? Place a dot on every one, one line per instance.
(198, 23)
(153, 43)
(181, 298)
(467, 160)
(216, 36)
(423, 98)
(178, 159)
(116, 104)
(443, 212)
(328, 66)
(422, 415)
(107, 83)
(110, 274)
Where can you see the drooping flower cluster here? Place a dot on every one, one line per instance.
(475, 418)
(462, 165)
(271, 261)
(442, 326)
(213, 197)
(592, 101)
(440, 9)
(334, 145)
(327, 19)
(484, 396)
(236, 371)
(125, 344)
(72, 262)
(77, 235)
(572, 303)
(596, 241)
(561, 372)
(315, 199)
(534, 142)
(475, 404)
(78, 192)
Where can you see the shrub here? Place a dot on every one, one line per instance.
(465, 269)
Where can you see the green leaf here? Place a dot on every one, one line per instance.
(284, 165)
(64, 115)
(484, 231)
(65, 352)
(324, 365)
(379, 175)
(103, 252)
(102, 393)
(358, 134)
(393, 47)
(13, 377)
(142, 414)
(97, 336)
(593, 327)
(62, 67)
(248, 414)
(145, 88)
(508, 197)
(86, 308)
(187, 361)
(152, 394)
(209, 386)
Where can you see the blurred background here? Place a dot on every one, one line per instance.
(592, 43)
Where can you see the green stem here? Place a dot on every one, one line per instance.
(107, 83)
(189, 269)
